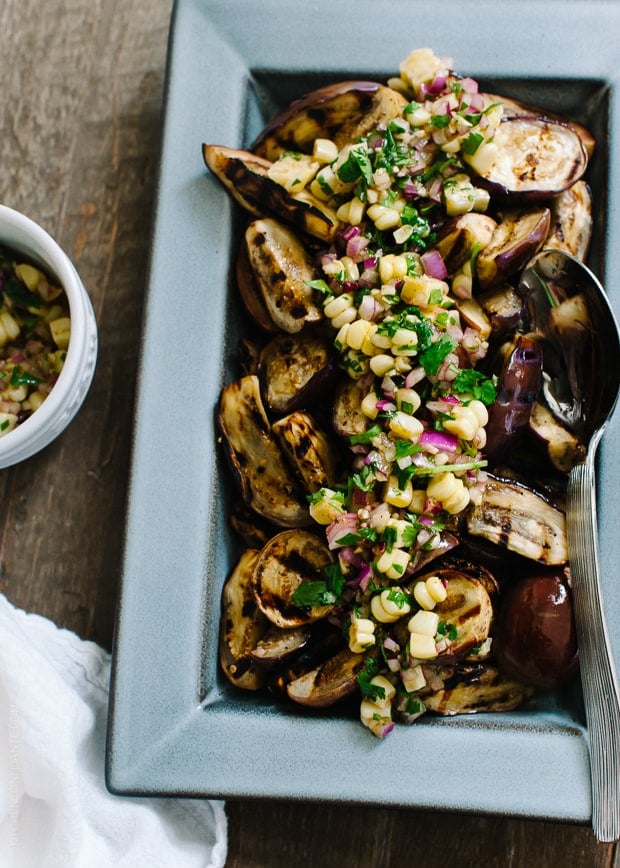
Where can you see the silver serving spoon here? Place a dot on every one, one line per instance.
(581, 382)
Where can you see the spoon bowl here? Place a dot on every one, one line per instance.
(572, 316)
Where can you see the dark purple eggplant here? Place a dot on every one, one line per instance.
(342, 112)
(520, 381)
(516, 238)
(296, 371)
(536, 640)
(250, 526)
(289, 559)
(537, 158)
(246, 178)
(267, 483)
(516, 517)
(283, 270)
(571, 221)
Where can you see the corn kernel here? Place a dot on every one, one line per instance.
(382, 682)
(405, 427)
(347, 316)
(436, 589)
(423, 597)
(424, 622)
(324, 150)
(381, 364)
(457, 501)
(395, 495)
(386, 607)
(361, 635)
(341, 337)
(420, 290)
(337, 305)
(464, 422)
(393, 564)
(327, 508)
(404, 341)
(383, 217)
(10, 326)
(418, 501)
(29, 275)
(357, 332)
(422, 647)
(7, 423)
(375, 715)
(413, 678)
(61, 332)
(369, 405)
(442, 486)
(409, 398)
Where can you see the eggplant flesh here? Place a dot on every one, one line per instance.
(330, 682)
(516, 238)
(245, 177)
(537, 158)
(284, 563)
(295, 370)
(572, 221)
(282, 269)
(516, 517)
(471, 688)
(266, 482)
(309, 450)
(242, 625)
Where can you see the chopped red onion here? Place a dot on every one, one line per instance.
(433, 264)
(441, 440)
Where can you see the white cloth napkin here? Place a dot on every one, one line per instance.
(54, 806)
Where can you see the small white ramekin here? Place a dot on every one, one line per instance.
(23, 235)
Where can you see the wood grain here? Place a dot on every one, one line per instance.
(80, 119)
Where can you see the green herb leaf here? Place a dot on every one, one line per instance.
(368, 690)
(470, 381)
(432, 358)
(23, 378)
(471, 143)
(365, 436)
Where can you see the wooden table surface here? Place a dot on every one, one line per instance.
(80, 117)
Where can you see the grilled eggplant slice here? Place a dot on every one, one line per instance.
(503, 306)
(516, 517)
(561, 447)
(571, 221)
(246, 177)
(347, 418)
(468, 608)
(278, 644)
(342, 112)
(475, 687)
(516, 238)
(242, 625)
(309, 450)
(330, 682)
(251, 295)
(296, 370)
(282, 269)
(267, 483)
(520, 381)
(516, 109)
(537, 158)
(460, 236)
(289, 559)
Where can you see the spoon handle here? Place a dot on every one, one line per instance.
(598, 676)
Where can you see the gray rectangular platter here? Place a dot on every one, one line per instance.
(175, 726)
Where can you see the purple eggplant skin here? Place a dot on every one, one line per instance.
(520, 382)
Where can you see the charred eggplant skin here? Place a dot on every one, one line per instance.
(519, 385)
